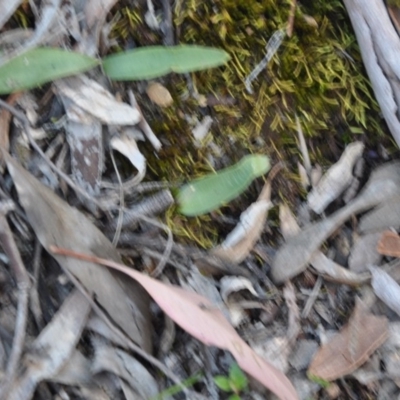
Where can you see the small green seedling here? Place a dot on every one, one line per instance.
(236, 382)
(210, 192)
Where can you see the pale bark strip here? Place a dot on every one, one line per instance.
(380, 50)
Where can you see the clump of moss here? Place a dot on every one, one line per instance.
(317, 73)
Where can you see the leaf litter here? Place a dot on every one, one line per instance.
(100, 328)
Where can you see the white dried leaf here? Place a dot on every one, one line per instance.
(241, 240)
(232, 284)
(336, 180)
(94, 99)
(127, 146)
(386, 288)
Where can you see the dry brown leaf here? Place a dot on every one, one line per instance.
(199, 317)
(351, 347)
(56, 223)
(159, 94)
(389, 244)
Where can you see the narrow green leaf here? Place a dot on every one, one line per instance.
(154, 61)
(212, 191)
(223, 383)
(41, 65)
(234, 397)
(237, 377)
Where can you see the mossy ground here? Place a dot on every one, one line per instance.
(317, 73)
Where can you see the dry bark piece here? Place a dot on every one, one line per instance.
(351, 347)
(127, 304)
(389, 244)
(380, 45)
(85, 139)
(292, 258)
(336, 179)
(159, 94)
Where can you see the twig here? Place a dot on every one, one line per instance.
(34, 296)
(26, 126)
(21, 276)
(311, 300)
(121, 203)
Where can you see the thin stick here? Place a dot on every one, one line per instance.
(121, 203)
(26, 126)
(22, 278)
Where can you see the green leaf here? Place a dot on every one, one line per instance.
(234, 397)
(237, 377)
(211, 191)
(223, 383)
(154, 61)
(41, 65)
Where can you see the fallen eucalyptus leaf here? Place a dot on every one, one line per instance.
(336, 180)
(351, 347)
(155, 61)
(212, 191)
(204, 321)
(41, 65)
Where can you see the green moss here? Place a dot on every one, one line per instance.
(317, 73)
